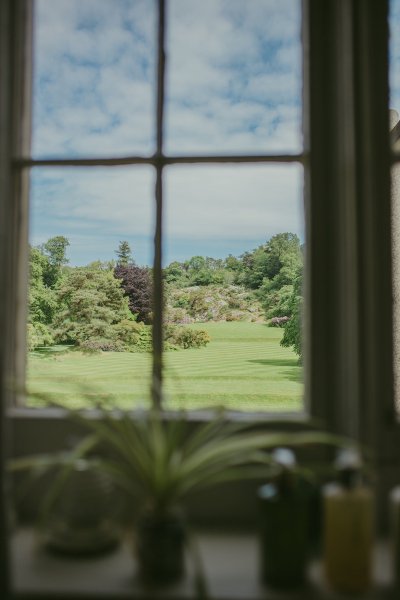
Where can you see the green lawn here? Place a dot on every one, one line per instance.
(243, 368)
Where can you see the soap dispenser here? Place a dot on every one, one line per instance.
(348, 526)
(284, 524)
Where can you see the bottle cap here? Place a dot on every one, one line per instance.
(349, 464)
(284, 457)
(348, 459)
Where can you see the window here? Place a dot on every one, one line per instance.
(230, 161)
(346, 159)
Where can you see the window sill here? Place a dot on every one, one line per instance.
(230, 561)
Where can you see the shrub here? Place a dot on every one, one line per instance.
(234, 315)
(211, 303)
(278, 321)
(134, 337)
(39, 334)
(186, 337)
(178, 315)
(144, 342)
(101, 345)
(128, 332)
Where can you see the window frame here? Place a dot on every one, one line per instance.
(346, 159)
(159, 161)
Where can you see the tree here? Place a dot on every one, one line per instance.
(277, 302)
(275, 261)
(42, 302)
(176, 273)
(92, 305)
(124, 253)
(292, 334)
(138, 287)
(55, 250)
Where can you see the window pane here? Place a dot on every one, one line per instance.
(94, 76)
(90, 294)
(394, 60)
(234, 76)
(233, 269)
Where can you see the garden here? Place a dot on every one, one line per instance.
(232, 329)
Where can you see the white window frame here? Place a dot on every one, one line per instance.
(346, 159)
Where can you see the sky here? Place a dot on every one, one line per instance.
(233, 82)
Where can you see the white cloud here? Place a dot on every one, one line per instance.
(95, 76)
(233, 201)
(225, 55)
(219, 209)
(233, 82)
(94, 58)
(94, 207)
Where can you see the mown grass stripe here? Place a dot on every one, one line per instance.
(243, 368)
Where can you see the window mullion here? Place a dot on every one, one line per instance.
(158, 296)
(373, 154)
(332, 294)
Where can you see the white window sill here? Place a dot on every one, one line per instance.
(230, 561)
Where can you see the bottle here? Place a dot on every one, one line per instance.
(348, 527)
(394, 500)
(284, 524)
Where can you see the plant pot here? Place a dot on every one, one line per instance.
(83, 519)
(160, 542)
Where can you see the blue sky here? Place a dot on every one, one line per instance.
(233, 86)
(394, 49)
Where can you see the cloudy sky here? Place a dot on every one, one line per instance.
(233, 86)
(394, 73)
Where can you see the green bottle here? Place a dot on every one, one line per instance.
(284, 524)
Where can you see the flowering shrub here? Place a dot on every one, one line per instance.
(278, 321)
(212, 303)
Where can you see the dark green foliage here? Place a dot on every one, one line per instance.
(107, 307)
(275, 262)
(91, 302)
(124, 253)
(55, 250)
(277, 302)
(292, 333)
(39, 335)
(136, 337)
(198, 270)
(42, 298)
(186, 337)
(176, 273)
(283, 260)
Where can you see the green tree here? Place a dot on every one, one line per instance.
(292, 334)
(42, 302)
(276, 302)
(55, 250)
(124, 253)
(275, 261)
(92, 303)
(176, 273)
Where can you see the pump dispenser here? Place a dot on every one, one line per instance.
(284, 524)
(348, 527)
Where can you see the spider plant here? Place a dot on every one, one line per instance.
(159, 459)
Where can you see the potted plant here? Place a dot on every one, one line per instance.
(159, 459)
